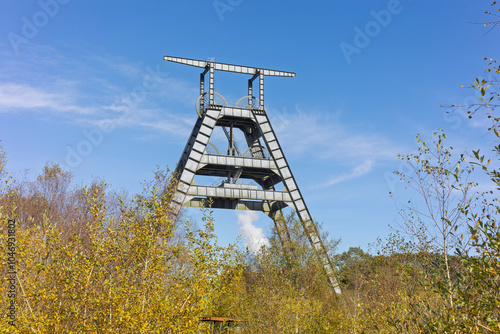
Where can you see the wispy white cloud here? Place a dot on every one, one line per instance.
(117, 64)
(94, 89)
(160, 121)
(183, 90)
(173, 126)
(325, 137)
(18, 96)
(253, 235)
(359, 170)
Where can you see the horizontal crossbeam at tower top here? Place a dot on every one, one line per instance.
(229, 67)
(211, 67)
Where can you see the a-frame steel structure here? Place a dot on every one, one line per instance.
(263, 161)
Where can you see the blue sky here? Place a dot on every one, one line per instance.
(73, 70)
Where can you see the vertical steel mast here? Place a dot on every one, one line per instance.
(263, 161)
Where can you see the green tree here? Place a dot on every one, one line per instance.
(434, 216)
(478, 295)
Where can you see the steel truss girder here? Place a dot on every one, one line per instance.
(229, 67)
(235, 204)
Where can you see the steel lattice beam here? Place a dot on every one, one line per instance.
(229, 67)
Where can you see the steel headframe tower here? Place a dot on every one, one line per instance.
(263, 161)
